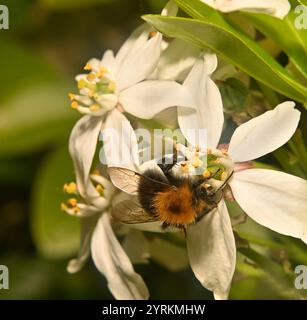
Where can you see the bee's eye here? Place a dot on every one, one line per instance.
(202, 192)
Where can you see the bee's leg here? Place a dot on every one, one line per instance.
(206, 211)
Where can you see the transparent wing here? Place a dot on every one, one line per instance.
(130, 212)
(125, 179)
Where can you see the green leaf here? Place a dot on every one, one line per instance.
(55, 234)
(234, 94)
(35, 117)
(71, 4)
(292, 40)
(212, 31)
(303, 2)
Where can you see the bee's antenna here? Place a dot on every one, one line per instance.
(225, 182)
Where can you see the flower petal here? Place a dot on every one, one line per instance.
(212, 251)
(273, 199)
(87, 227)
(138, 57)
(148, 98)
(112, 261)
(209, 116)
(265, 133)
(276, 8)
(176, 61)
(120, 147)
(82, 146)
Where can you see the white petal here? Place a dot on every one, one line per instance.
(265, 133)
(176, 61)
(203, 127)
(212, 251)
(82, 147)
(277, 8)
(108, 61)
(136, 246)
(273, 199)
(87, 227)
(148, 98)
(112, 261)
(138, 59)
(120, 147)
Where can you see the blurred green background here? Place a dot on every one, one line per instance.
(47, 44)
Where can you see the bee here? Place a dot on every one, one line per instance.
(161, 195)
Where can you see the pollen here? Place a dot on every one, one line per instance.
(206, 185)
(152, 34)
(196, 163)
(70, 188)
(81, 84)
(207, 174)
(94, 107)
(71, 96)
(100, 189)
(74, 105)
(72, 202)
(88, 67)
(209, 151)
(91, 76)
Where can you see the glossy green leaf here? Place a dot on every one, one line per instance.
(284, 32)
(210, 30)
(35, 117)
(55, 234)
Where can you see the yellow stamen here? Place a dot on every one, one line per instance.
(70, 188)
(207, 174)
(152, 34)
(102, 72)
(95, 107)
(96, 173)
(76, 210)
(100, 189)
(196, 163)
(206, 185)
(87, 67)
(209, 151)
(71, 96)
(81, 84)
(91, 76)
(72, 202)
(74, 105)
(64, 207)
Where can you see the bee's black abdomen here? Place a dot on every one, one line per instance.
(150, 184)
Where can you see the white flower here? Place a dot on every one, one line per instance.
(276, 8)
(274, 199)
(99, 239)
(118, 84)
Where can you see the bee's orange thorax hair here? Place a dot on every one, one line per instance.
(175, 205)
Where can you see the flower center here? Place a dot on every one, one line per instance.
(214, 165)
(97, 90)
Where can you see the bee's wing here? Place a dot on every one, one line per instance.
(125, 179)
(130, 212)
